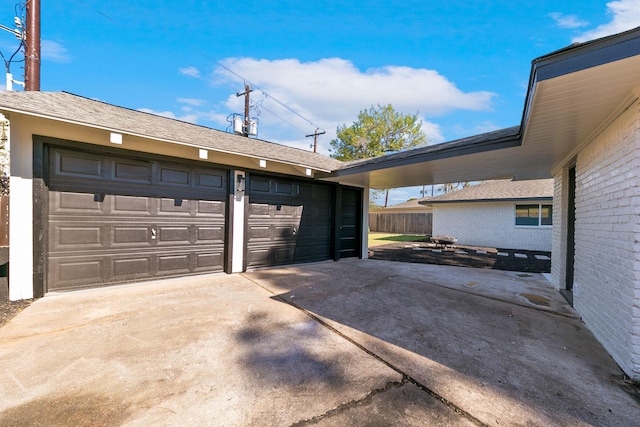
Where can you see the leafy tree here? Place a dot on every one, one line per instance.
(378, 131)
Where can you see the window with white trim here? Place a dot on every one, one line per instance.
(534, 215)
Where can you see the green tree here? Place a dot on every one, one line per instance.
(378, 131)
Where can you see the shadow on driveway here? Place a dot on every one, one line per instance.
(499, 362)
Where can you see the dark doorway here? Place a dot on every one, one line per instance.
(350, 213)
(571, 237)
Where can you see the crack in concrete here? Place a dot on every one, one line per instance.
(405, 377)
(348, 405)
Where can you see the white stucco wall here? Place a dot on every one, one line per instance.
(606, 287)
(490, 224)
(21, 213)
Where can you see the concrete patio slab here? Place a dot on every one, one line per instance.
(357, 342)
(212, 350)
(500, 359)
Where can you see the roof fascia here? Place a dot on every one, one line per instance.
(579, 57)
(508, 199)
(438, 152)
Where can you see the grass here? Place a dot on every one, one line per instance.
(377, 239)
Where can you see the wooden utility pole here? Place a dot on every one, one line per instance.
(315, 139)
(32, 47)
(247, 91)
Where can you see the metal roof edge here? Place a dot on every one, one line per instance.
(485, 200)
(508, 137)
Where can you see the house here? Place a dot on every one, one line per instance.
(500, 214)
(102, 194)
(91, 181)
(580, 126)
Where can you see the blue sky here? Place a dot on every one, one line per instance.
(463, 66)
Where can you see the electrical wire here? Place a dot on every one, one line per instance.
(282, 104)
(19, 13)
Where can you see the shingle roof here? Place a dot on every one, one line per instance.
(411, 204)
(504, 189)
(76, 109)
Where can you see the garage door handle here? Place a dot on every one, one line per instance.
(295, 231)
(153, 234)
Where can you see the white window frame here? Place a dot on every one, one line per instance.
(539, 224)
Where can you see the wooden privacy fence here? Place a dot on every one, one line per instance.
(403, 223)
(4, 220)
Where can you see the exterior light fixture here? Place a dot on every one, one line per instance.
(203, 154)
(240, 182)
(115, 138)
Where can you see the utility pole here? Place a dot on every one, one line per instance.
(247, 91)
(315, 139)
(32, 47)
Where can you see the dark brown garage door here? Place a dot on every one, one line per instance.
(113, 219)
(288, 221)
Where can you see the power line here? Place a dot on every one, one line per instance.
(282, 104)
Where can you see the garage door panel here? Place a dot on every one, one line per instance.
(257, 210)
(77, 237)
(210, 207)
(259, 256)
(208, 180)
(209, 234)
(205, 261)
(284, 188)
(130, 204)
(130, 235)
(71, 203)
(70, 273)
(78, 165)
(259, 185)
(132, 268)
(173, 176)
(131, 171)
(259, 232)
(176, 207)
(135, 220)
(175, 234)
(174, 264)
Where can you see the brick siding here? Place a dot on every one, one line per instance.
(490, 224)
(606, 289)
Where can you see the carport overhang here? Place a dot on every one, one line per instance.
(573, 94)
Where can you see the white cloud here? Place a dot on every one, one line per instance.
(625, 15)
(190, 71)
(329, 92)
(54, 51)
(192, 101)
(567, 21)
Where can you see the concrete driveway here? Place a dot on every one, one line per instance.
(357, 342)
